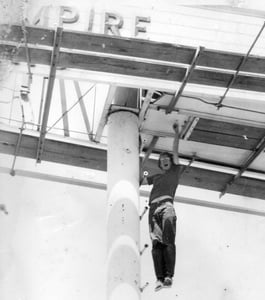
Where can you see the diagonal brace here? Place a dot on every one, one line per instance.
(241, 64)
(177, 95)
(51, 79)
(257, 151)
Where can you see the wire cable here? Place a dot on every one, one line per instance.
(225, 105)
(36, 125)
(68, 110)
(6, 88)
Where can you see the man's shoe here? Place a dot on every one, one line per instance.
(159, 285)
(168, 282)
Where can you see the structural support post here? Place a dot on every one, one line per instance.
(123, 228)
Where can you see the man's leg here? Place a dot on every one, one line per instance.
(169, 253)
(169, 249)
(158, 259)
(157, 247)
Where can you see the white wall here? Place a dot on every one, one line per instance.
(52, 243)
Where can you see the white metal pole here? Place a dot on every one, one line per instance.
(123, 269)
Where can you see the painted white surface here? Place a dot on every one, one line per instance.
(53, 243)
(123, 229)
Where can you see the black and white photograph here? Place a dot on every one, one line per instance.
(132, 150)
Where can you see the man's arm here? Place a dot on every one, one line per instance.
(176, 144)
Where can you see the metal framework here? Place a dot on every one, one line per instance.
(256, 152)
(145, 59)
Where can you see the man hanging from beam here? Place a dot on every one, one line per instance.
(162, 216)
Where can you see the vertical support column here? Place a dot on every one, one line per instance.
(123, 228)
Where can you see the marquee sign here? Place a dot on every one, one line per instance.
(112, 22)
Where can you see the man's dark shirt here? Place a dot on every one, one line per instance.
(165, 184)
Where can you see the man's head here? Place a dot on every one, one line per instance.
(165, 161)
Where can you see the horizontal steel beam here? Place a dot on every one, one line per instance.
(131, 57)
(140, 48)
(93, 157)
